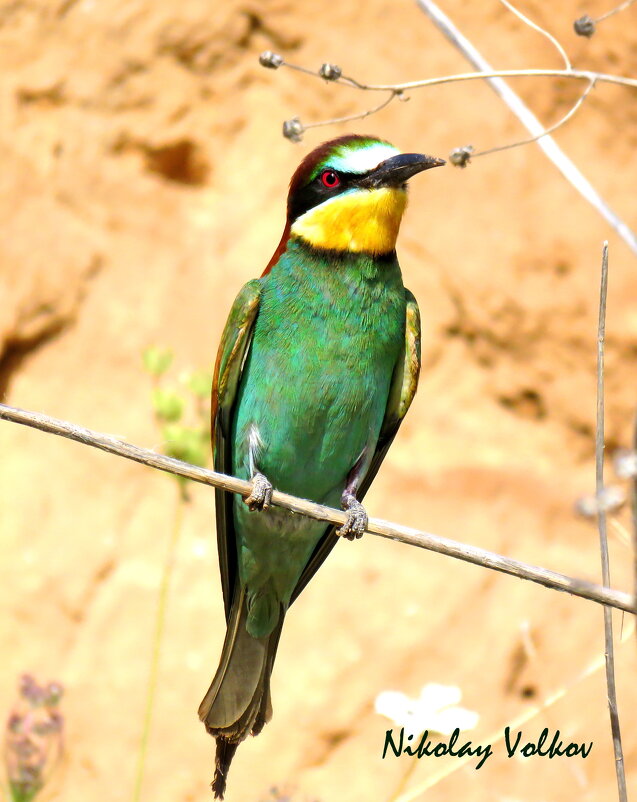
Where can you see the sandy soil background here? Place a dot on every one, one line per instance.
(143, 182)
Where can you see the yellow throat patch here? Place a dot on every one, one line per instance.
(361, 221)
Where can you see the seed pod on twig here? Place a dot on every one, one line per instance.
(331, 72)
(293, 129)
(270, 60)
(584, 26)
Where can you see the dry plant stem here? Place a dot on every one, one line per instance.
(160, 620)
(401, 785)
(545, 33)
(620, 7)
(489, 74)
(571, 112)
(351, 117)
(498, 734)
(633, 504)
(551, 149)
(403, 534)
(536, 664)
(603, 539)
(344, 79)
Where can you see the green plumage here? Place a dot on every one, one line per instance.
(314, 386)
(317, 366)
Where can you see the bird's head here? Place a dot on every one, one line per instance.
(349, 194)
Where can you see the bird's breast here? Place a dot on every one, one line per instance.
(316, 380)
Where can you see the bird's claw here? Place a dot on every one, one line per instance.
(261, 496)
(356, 521)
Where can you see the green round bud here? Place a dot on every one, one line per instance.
(167, 404)
(157, 360)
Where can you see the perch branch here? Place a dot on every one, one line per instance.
(414, 537)
(603, 539)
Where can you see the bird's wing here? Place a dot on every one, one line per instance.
(235, 342)
(401, 394)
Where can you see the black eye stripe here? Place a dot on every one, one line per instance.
(316, 192)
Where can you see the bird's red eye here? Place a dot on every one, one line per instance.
(329, 179)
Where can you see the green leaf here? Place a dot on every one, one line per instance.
(23, 792)
(157, 360)
(185, 444)
(200, 383)
(167, 404)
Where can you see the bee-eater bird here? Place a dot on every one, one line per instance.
(317, 366)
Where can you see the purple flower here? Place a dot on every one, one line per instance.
(33, 738)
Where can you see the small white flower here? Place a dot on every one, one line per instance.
(436, 710)
(625, 463)
(610, 499)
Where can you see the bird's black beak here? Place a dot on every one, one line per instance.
(396, 171)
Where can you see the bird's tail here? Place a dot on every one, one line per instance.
(238, 700)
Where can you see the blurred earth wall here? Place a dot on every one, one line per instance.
(143, 182)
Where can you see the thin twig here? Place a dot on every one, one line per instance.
(403, 534)
(487, 74)
(603, 539)
(551, 149)
(620, 7)
(160, 620)
(343, 79)
(360, 116)
(539, 29)
(571, 112)
(633, 500)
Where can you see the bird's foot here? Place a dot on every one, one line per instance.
(261, 495)
(356, 521)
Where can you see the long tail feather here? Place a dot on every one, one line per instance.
(238, 700)
(223, 759)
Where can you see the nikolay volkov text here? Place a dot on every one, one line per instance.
(546, 745)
